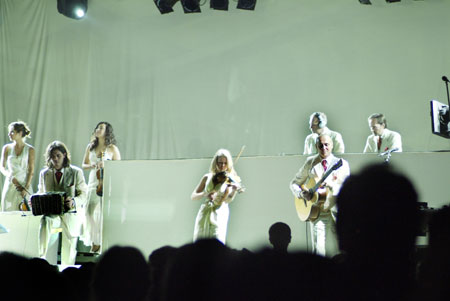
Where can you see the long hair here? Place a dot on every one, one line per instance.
(109, 135)
(222, 153)
(20, 127)
(57, 145)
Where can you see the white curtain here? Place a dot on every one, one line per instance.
(183, 85)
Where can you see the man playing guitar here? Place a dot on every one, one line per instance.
(313, 171)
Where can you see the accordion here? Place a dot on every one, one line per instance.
(50, 203)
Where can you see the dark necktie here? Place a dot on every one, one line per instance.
(324, 164)
(58, 176)
(379, 143)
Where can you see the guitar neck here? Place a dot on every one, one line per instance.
(325, 176)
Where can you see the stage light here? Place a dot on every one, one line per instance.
(191, 6)
(365, 2)
(219, 4)
(246, 4)
(74, 9)
(165, 6)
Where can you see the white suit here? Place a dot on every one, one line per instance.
(389, 140)
(74, 185)
(322, 229)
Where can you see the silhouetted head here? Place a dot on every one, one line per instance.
(121, 274)
(377, 212)
(280, 236)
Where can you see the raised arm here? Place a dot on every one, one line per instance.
(87, 164)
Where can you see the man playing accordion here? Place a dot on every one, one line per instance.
(60, 176)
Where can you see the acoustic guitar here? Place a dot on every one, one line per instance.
(309, 210)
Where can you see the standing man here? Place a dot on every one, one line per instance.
(318, 126)
(60, 176)
(322, 229)
(381, 139)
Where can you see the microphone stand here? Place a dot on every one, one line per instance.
(387, 154)
(387, 157)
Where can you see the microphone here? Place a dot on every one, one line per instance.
(388, 152)
(445, 79)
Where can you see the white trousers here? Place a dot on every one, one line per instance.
(323, 236)
(48, 241)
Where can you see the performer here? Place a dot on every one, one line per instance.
(318, 126)
(381, 139)
(60, 176)
(17, 165)
(322, 231)
(218, 188)
(102, 147)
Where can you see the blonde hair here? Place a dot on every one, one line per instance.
(222, 153)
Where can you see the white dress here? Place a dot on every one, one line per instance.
(92, 227)
(18, 166)
(212, 219)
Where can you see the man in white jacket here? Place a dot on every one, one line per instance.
(60, 176)
(318, 126)
(382, 139)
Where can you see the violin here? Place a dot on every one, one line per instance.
(236, 182)
(230, 180)
(23, 206)
(99, 190)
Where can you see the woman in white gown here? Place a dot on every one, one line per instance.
(217, 188)
(102, 147)
(17, 165)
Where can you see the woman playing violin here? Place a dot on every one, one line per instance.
(17, 165)
(102, 147)
(218, 188)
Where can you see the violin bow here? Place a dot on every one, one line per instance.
(239, 155)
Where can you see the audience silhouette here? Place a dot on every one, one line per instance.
(121, 274)
(434, 271)
(280, 236)
(377, 223)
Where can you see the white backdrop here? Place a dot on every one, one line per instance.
(181, 86)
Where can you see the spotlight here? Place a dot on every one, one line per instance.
(75, 9)
(219, 4)
(365, 2)
(246, 4)
(191, 6)
(165, 6)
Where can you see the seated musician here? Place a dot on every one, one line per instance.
(315, 167)
(60, 176)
